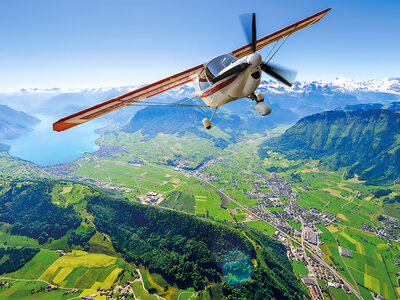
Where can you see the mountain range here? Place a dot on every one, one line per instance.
(366, 142)
(304, 98)
(14, 123)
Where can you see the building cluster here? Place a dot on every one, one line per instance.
(322, 273)
(324, 217)
(310, 235)
(313, 287)
(118, 292)
(5, 284)
(51, 287)
(389, 225)
(278, 236)
(386, 232)
(151, 198)
(297, 254)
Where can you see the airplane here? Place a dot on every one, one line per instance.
(223, 79)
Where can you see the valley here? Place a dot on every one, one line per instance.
(289, 200)
(167, 210)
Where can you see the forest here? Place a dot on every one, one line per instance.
(190, 251)
(29, 209)
(12, 259)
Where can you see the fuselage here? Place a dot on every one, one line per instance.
(233, 87)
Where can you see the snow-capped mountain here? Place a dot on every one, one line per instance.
(302, 99)
(339, 85)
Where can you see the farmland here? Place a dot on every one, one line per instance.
(224, 186)
(235, 172)
(35, 267)
(84, 270)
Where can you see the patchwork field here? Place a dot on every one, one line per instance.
(138, 177)
(84, 270)
(198, 197)
(371, 265)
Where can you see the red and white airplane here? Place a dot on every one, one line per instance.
(223, 79)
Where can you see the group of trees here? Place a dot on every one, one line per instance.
(81, 238)
(12, 259)
(29, 208)
(183, 249)
(190, 251)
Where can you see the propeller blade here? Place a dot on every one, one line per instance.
(281, 74)
(249, 29)
(233, 71)
(254, 34)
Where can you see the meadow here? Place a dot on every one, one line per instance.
(85, 270)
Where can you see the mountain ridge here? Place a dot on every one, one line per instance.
(365, 142)
(13, 123)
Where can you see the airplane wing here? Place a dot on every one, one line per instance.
(269, 39)
(127, 99)
(173, 81)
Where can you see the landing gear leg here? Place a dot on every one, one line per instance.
(258, 97)
(207, 122)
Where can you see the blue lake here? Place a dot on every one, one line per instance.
(45, 147)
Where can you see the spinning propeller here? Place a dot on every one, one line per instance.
(281, 74)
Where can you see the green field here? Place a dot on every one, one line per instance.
(198, 197)
(139, 178)
(22, 290)
(35, 267)
(141, 293)
(299, 268)
(262, 226)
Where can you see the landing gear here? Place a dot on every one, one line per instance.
(261, 107)
(259, 97)
(207, 122)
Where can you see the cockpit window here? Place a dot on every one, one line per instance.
(203, 83)
(221, 62)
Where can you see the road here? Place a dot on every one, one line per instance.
(320, 260)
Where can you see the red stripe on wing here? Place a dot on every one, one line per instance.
(261, 43)
(126, 99)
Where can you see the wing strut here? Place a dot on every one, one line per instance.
(144, 103)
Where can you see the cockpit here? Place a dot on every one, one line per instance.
(213, 68)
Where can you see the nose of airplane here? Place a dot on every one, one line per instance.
(254, 59)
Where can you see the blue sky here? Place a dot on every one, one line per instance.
(92, 43)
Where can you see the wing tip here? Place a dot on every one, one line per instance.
(61, 126)
(327, 10)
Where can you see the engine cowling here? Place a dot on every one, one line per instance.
(263, 108)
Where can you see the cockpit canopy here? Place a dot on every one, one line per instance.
(219, 63)
(213, 68)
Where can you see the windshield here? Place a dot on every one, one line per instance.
(221, 62)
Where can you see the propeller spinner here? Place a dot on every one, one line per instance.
(281, 74)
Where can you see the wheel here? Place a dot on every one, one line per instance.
(262, 108)
(207, 123)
